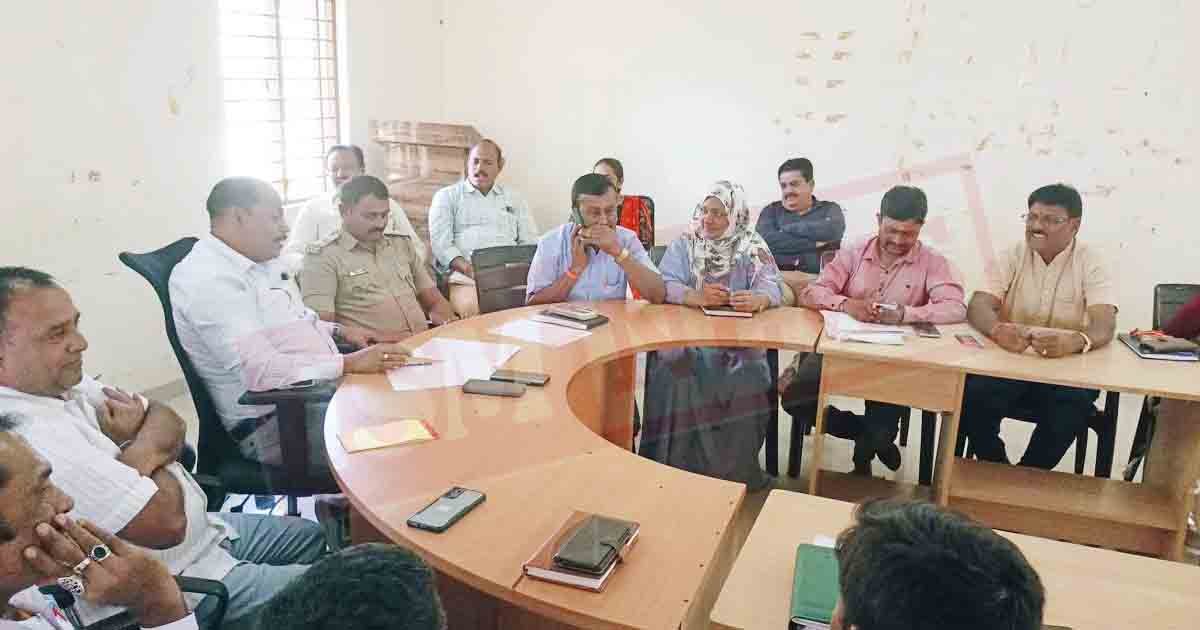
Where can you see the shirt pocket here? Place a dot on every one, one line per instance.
(613, 274)
(358, 289)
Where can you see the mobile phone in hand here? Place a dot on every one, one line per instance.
(926, 329)
(969, 340)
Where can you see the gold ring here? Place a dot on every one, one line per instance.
(386, 356)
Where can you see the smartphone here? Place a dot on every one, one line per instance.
(446, 510)
(412, 361)
(968, 340)
(525, 378)
(493, 388)
(300, 384)
(925, 329)
(884, 306)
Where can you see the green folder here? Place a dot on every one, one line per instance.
(814, 587)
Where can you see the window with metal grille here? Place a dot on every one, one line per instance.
(279, 73)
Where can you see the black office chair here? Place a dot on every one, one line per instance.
(1103, 421)
(220, 467)
(211, 619)
(500, 276)
(1168, 298)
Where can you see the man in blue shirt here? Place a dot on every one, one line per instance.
(799, 226)
(591, 257)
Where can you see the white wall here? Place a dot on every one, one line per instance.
(1093, 93)
(128, 92)
(392, 66)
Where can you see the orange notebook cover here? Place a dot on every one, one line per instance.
(541, 566)
(408, 431)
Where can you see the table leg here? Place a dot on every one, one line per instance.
(1173, 462)
(601, 397)
(817, 448)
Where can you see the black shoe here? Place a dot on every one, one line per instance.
(844, 424)
(864, 452)
(890, 456)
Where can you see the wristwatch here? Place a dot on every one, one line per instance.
(623, 255)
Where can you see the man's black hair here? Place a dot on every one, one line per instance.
(365, 587)
(908, 565)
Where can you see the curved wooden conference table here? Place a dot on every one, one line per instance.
(559, 448)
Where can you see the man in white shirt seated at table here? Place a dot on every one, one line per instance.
(320, 219)
(38, 543)
(114, 454)
(241, 320)
(1055, 296)
(473, 214)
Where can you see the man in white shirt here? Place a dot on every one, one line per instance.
(241, 320)
(319, 218)
(37, 542)
(473, 214)
(114, 454)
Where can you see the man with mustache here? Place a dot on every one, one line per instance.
(890, 278)
(473, 214)
(364, 277)
(320, 219)
(241, 320)
(799, 224)
(1054, 296)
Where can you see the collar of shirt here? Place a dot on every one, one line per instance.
(469, 189)
(871, 253)
(234, 257)
(348, 242)
(817, 206)
(1058, 262)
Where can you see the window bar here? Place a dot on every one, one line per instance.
(282, 104)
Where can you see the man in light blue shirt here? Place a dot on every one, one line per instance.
(591, 257)
(473, 214)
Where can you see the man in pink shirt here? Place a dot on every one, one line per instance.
(889, 278)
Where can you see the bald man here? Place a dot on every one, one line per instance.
(473, 214)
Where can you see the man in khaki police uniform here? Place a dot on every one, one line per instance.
(363, 277)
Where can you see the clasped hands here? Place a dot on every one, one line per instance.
(865, 311)
(1051, 344)
(720, 295)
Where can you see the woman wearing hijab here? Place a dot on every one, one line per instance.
(707, 408)
(591, 257)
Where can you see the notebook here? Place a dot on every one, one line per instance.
(543, 567)
(814, 588)
(1136, 346)
(548, 317)
(408, 431)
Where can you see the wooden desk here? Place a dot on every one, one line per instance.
(540, 456)
(930, 374)
(1086, 588)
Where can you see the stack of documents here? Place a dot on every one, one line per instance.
(843, 327)
(539, 332)
(455, 361)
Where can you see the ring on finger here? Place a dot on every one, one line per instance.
(99, 552)
(82, 566)
(73, 585)
(386, 356)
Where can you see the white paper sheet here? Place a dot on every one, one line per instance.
(456, 361)
(845, 328)
(537, 332)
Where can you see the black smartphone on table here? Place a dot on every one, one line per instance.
(517, 376)
(446, 510)
(493, 388)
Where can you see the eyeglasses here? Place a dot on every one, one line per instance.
(1044, 219)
